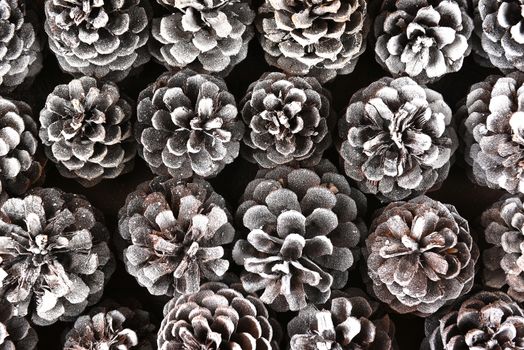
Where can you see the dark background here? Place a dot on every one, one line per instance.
(110, 195)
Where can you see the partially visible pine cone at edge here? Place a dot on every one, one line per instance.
(16, 333)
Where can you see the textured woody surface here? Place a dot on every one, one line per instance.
(15, 332)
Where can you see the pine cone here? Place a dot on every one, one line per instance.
(423, 39)
(21, 162)
(217, 317)
(494, 132)
(484, 321)
(347, 321)
(86, 130)
(503, 226)
(288, 119)
(54, 259)
(187, 123)
(317, 38)
(207, 36)
(20, 46)
(99, 38)
(302, 228)
(397, 139)
(176, 232)
(15, 332)
(117, 328)
(420, 255)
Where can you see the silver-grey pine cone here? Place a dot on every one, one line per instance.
(303, 227)
(217, 317)
(484, 321)
(176, 234)
(348, 321)
(86, 129)
(21, 159)
(317, 38)
(114, 328)
(188, 124)
(15, 332)
(20, 45)
(503, 225)
(420, 256)
(423, 39)
(493, 132)
(105, 39)
(397, 139)
(209, 36)
(54, 257)
(288, 120)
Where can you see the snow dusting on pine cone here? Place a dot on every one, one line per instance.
(217, 317)
(209, 36)
(54, 257)
(317, 38)
(423, 39)
(349, 320)
(302, 228)
(15, 332)
(288, 120)
(104, 39)
(420, 256)
(493, 132)
(176, 233)
(21, 160)
(487, 320)
(87, 131)
(188, 124)
(397, 139)
(20, 46)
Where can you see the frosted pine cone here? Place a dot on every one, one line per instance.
(288, 120)
(207, 36)
(423, 39)
(494, 132)
(484, 321)
(302, 228)
(15, 331)
(397, 139)
(54, 258)
(176, 232)
(347, 321)
(86, 130)
(420, 256)
(187, 123)
(217, 317)
(20, 46)
(21, 161)
(104, 39)
(317, 38)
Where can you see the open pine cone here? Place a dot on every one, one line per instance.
(423, 39)
(288, 120)
(87, 131)
(15, 332)
(54, 257)
(207, 36)
(302, 228)
(397, 139)
(348, 321)
(493, 132)
(420, 256)
(317, 38)
(217, 317)
(21, 160)
(486, 320)
(187, 124)
(104, 39)
(176, 232)
(20, 46)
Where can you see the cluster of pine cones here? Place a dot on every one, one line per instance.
(247, 209)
